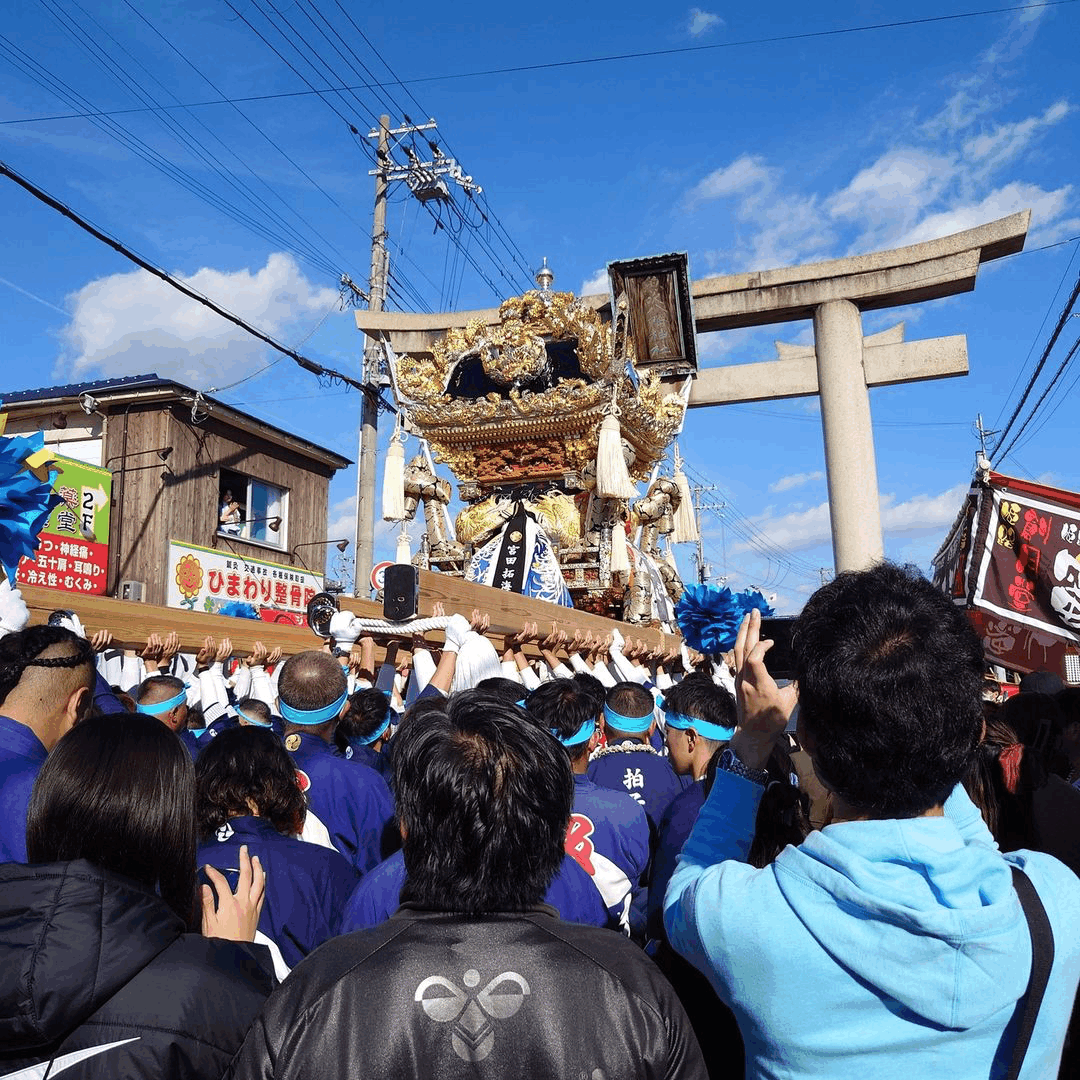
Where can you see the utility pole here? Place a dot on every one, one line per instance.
(704, 570)
(424, 180)
(982, 462)
(367, 463)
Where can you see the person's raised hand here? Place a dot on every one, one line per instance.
(258, 655)
(206, 652)
(170, 646)
(236, 914)
(763, 707)
(273, 656)
(224, 650)
(153, 648)
(101, 641)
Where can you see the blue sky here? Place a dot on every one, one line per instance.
(745, 156)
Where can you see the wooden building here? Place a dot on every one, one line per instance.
(174, 455)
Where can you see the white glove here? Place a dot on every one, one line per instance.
(14, 614)
(455, 633)
(341, 628)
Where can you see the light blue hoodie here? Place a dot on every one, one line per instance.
(875, 949)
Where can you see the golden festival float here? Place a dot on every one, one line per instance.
(558, 423)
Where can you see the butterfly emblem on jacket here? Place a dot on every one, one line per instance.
(473, 1034)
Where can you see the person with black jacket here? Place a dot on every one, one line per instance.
(101, 976)
(474, 976)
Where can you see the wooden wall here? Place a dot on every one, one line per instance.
(149, 510)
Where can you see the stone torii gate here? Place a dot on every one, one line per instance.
(840, 366)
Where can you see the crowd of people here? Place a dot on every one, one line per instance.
(561, 857)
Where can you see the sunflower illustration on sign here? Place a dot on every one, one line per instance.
(189, 579)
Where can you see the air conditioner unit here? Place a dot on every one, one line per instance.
(131, 590)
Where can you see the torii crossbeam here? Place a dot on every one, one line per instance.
(839, 367)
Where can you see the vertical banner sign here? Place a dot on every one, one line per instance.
(1014, 558)
(73, 555)
(224, 583)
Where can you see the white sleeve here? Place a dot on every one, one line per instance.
(510, 670)
(626, 670)
(262, 689)
(423, 668)
(604, 675)
(212, 693)
(241, 682)
(132, 673)
(561, 671)
(663, 681)
(577, 662)
(529, 679)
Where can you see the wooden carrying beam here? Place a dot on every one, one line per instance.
(130, 623)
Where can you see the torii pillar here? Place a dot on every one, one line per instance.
(839, 367)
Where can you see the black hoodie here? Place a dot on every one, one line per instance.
(98, 977)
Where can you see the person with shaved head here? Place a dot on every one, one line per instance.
(349, 804)
(47, 676)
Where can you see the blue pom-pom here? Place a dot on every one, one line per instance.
(709, 616)
(238, 609)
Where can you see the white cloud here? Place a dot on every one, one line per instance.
(995, 148)
(780, 227)
(134, 322)
(701, 22)
(893, 192)
(746, 173)
(1018, 195)
(805, 529)
(786, 483)
(598, 283)
(341, 520)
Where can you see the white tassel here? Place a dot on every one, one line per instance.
(403, 553)
(685, 531)
(393, 485)
(620, 560)
(612, 479)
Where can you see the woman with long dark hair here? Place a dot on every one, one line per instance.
(103, 972)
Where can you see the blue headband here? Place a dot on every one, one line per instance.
(367, 740)
(583, 734)
(632, 725)
(311, 717)
(705, 729)
(251, 719)
(156, 708)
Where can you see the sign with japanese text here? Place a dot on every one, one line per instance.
(1028, 568)
(73, 555)
(1013, 558)
(222, 582)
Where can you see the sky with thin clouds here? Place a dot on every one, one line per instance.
(745, 156)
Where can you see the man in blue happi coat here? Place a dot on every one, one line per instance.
(608, 834)
(699, 718)
(628, 762)
(349, 801)
(46, 684)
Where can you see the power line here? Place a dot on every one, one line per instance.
(116, 245)
(1050, 386)
(611, 58)
(1038, 333)
(43, 77)
(82, 35)
(1062, 320)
